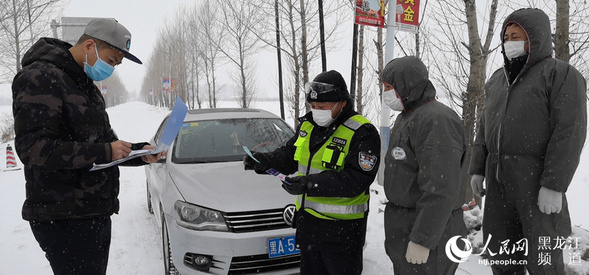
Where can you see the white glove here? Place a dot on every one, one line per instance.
(549, 201)
(416, 254)
(476, 183)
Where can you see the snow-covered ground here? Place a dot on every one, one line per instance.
(136, 247)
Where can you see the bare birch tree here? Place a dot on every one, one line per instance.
(151, 86)
(360, 70)
(181, 47)
(458, 56)
(241, 21)
(194, 48)
(22, 22)
(159, 67)
(211, 35)
(295, 96)
(186, 49)
(571, 38)
(299, 32)
(113, 90)
(561, 36)
(461, 55)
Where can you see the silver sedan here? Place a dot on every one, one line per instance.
(215, 217)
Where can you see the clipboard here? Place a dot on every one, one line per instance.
(170, 132)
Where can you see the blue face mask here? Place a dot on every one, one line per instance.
(100, 71)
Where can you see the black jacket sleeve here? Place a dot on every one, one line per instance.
(136, 161)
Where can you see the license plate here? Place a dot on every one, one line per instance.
(282, 246)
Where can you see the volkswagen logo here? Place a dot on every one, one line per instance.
(289, 213)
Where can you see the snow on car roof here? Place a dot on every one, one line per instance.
(222, 113)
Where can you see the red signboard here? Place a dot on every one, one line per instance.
(370, 12)
(407, 15)
(166, 84)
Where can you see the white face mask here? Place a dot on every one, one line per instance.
(390, 99)
(514, 49)
(323, 117)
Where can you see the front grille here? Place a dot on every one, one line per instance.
(249, 264)
(252, 221)
(263, 263)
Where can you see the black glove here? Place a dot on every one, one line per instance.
(296, 185)
(139, 146)
(251, 164)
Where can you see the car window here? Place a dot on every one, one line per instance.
(160, 130)
(223, 139)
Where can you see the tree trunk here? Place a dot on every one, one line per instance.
(297, 67)
(473, 99)
(244, 91)
(279, 60)
(561, 37)
(417, 51)
(380, 57)
(354, 63)
(16, 35)
(304, 53)
(360, 69)
(214, 85)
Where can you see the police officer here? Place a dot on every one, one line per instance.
(335, 156)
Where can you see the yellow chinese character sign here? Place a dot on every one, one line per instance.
(407, 15)
(370, 12)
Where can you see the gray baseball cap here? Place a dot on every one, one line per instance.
(113, 33)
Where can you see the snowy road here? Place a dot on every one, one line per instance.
(136, 247)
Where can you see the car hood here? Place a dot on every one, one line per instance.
(227, 187)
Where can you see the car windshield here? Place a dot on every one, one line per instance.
(223, 139)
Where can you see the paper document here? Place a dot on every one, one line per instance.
(270, 171)
(171, 130)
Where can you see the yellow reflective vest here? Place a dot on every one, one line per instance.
(330, 156)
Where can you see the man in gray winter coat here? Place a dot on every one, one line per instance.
(424, 176)
(527, 148)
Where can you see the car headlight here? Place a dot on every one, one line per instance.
(198, 218)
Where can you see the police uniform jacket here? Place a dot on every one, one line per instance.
(352, 181)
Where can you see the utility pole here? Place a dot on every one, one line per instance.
(354, 64)
(54, 26)
(322, 37)
(279, 54)
(385, 111)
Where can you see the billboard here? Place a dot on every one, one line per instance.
(407, 15)
(370, 13)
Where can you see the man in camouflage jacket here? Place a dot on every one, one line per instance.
(62, 128)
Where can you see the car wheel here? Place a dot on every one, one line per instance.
(149, 206)
(169, 268)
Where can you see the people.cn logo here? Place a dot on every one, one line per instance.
(455, 253)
